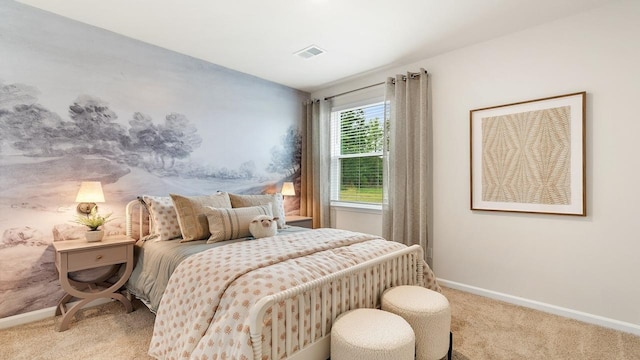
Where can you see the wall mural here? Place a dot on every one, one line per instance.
(79, 103)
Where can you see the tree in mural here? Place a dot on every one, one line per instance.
(145, 138)
(175, 139)
(179, 138)
(95, 126)
(247, 170)
(12, 95)
(32, 129)
(286, 160)
(92, 128)
(17, 94)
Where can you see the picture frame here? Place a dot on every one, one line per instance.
(529, 156)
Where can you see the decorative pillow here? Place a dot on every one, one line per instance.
(191, 213)
(263, 226)
(227, 224)
(276, 201)
(163, 216)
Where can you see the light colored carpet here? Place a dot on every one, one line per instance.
(102, 332)
(482, 328)
(488, 329)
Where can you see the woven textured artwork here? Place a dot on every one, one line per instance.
(526, 157)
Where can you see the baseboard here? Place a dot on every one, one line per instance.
(41, 314)
(548, 308)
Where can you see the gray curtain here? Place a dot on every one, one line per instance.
(315, 197)
(407, 161)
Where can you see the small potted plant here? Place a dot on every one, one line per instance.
(93, 221)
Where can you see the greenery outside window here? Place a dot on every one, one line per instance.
(356, 154)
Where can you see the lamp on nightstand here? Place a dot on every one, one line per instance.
(89, 194)
(288, 189)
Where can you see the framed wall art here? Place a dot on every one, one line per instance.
(530, 156)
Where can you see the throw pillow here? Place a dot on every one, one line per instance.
(164, 219)
(275, 200)
(227, 224)
(191, 213)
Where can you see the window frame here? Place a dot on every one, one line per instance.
(336, 156)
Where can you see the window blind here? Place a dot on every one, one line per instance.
(356, 154)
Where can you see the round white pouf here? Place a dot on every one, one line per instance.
(429, 314)
(371, 334)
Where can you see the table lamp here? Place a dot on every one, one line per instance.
(288, 189)
(89, 194)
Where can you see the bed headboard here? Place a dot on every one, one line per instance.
(138, 220)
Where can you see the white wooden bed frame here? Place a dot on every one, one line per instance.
(403, 267)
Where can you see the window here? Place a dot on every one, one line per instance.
(356, 154)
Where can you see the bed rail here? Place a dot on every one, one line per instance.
(132, 209)
(360, 286)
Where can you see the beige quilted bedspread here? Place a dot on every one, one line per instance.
(204, 311)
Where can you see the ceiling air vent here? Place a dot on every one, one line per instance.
(309, 52)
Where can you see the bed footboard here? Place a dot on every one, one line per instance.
(362, 286)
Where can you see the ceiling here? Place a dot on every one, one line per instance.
(259, 37)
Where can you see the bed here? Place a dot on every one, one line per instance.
(270, 298)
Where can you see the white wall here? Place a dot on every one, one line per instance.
(591, 264)
(363, 220)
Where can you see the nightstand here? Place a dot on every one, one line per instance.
(76, 255)
(301, 221)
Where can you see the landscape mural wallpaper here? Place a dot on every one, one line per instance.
(78, 103)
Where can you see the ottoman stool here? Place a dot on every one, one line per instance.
(429, 315)
(371, 334)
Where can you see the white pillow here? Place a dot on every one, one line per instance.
(163, 216)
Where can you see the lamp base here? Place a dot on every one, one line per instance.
(85, 208)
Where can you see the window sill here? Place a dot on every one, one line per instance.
(357, 207)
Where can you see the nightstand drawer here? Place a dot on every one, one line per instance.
(87, 259)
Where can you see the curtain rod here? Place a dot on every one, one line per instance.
(354, 90)
(412, 75)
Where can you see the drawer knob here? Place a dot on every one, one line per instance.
(98, 257)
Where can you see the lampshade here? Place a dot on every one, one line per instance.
(287, 189)
(90, 192)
